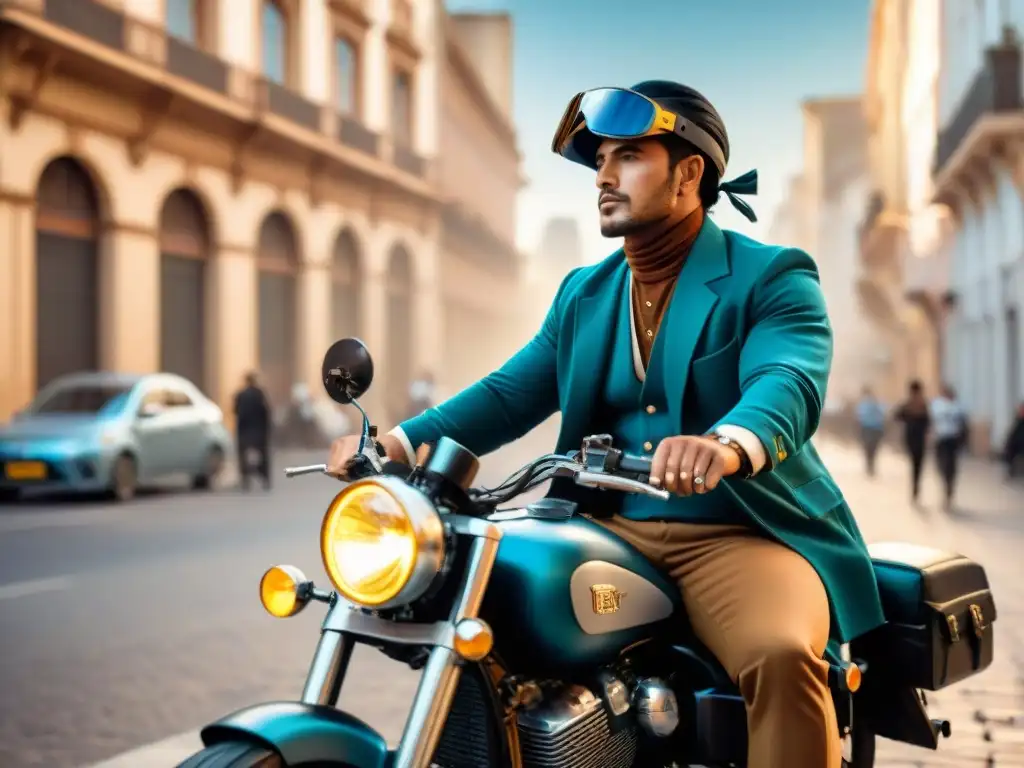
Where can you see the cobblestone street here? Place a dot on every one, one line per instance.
(987, 712)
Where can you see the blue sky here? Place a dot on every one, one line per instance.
(756, 60)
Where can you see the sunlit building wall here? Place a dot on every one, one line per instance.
(925, 256)
(820, 215)
(977, 168)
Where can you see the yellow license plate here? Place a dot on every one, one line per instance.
(25, 470)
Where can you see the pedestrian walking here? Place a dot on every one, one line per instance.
(252, 427)
(916, 419)
(1013, 450)
(949, 423)
(871, 420)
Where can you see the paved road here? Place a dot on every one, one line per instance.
(123, 626)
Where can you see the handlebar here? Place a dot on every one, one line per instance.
(598, 465)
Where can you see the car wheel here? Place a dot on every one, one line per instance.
(9, 495)
(212, 468)
(124, 479)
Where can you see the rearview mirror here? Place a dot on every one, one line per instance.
(347, 371)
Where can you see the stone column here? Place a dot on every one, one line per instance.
(373, 323)
(129, 299)
(17, 302)
(232, 324)
(314, 323)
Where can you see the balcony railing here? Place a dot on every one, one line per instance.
(409, 161)
(354, 134)
(198, 66)
(88, 18)
(288, 104)
(471, 229)
(996, 88)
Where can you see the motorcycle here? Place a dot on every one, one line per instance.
(546, 641)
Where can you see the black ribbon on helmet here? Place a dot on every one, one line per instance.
(741, 185)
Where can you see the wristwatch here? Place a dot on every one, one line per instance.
(746, 470)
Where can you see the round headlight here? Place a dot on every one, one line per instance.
(382, 543)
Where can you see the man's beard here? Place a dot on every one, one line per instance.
(622, 227)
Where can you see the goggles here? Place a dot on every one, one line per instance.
(619, 113)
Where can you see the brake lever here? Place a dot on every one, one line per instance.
(615, 483)
(310, 469)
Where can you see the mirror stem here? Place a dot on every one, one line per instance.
(366, 426)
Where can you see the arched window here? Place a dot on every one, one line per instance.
(67, 271)
(402, 108)
(277, 302)
(276, 42)
(184, 250)
(192, 21)
(346, 286)
(346, 76)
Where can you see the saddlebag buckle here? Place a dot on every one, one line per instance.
(977, 620)
(954, 628)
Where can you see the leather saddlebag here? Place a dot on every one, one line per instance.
(939, 612)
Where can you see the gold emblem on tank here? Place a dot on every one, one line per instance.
(607, 598)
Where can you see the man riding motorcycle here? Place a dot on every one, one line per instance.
(711, 352)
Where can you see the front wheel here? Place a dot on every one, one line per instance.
(234, 754)
(213, 465)
(124, 479)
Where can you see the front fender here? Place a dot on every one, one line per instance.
(303, 734)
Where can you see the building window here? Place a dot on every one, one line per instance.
(182, 18)
(345, 76)
(402, 109)
(275, 42)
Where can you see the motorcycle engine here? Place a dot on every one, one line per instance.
(561, 725)
(572, 727)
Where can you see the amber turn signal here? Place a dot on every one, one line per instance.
(853, 677)
(473, 639)
(284, 591)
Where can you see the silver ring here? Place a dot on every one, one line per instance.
(698, 480)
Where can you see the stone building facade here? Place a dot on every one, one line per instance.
(979, 176)
(819, 215)
(215, 186)
(901, 262)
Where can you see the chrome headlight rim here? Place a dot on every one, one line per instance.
(428, 530)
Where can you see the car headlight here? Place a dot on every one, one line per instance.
(382, 543)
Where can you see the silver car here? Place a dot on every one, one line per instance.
(111, 433)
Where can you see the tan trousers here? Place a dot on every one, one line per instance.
(762, 610)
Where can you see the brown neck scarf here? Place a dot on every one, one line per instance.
(656, 261)
(659, 255)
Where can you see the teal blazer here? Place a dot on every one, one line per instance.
(749, 343)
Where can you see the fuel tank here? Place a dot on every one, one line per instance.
(566, 593)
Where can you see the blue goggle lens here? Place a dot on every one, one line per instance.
(617, 114)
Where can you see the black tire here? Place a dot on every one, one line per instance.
(863, 752)
(213, 465)
(124, 479)
(234, 754)
(10, 495)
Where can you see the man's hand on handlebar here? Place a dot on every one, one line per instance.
(689, 464)
(345, 448)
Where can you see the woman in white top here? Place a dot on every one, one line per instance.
(949, 425)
